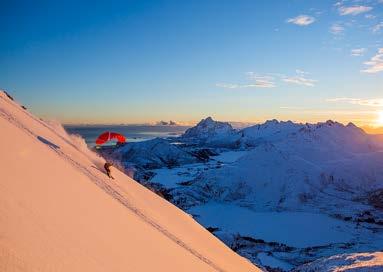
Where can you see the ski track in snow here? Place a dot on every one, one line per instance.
(114, 190)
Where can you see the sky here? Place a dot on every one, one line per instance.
(149, 60)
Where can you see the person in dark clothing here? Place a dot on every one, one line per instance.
(107, 166)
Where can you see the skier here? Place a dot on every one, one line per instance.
(107, 166)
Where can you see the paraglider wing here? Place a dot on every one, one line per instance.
(107, 136)
(103, 138)
(119, 137)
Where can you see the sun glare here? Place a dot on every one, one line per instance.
(380, 119)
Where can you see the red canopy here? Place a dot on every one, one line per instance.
(107, 136)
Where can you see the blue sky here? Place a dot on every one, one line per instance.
(143, 61)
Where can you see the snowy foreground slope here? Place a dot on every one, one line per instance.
(59, 212)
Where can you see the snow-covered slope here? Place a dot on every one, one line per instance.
(59, 211)
(355, 262)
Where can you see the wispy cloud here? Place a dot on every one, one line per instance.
(378, 27)
(299, 79)
(373, 102)
(370, 16)
(257, 81)
(302, 20)
(301, 72)
(358, 52)
(236, 86)
(354, 10)
(269, 80)
(339, 3)
(375, 64)
(262, 81)
(336, 29)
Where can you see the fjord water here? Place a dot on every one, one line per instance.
(133, 133)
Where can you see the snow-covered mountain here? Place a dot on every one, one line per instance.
(151, 154)
(60, 212)
(212, 133)
(271, 130)
(294, 165)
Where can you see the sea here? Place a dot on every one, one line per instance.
(132, 133)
